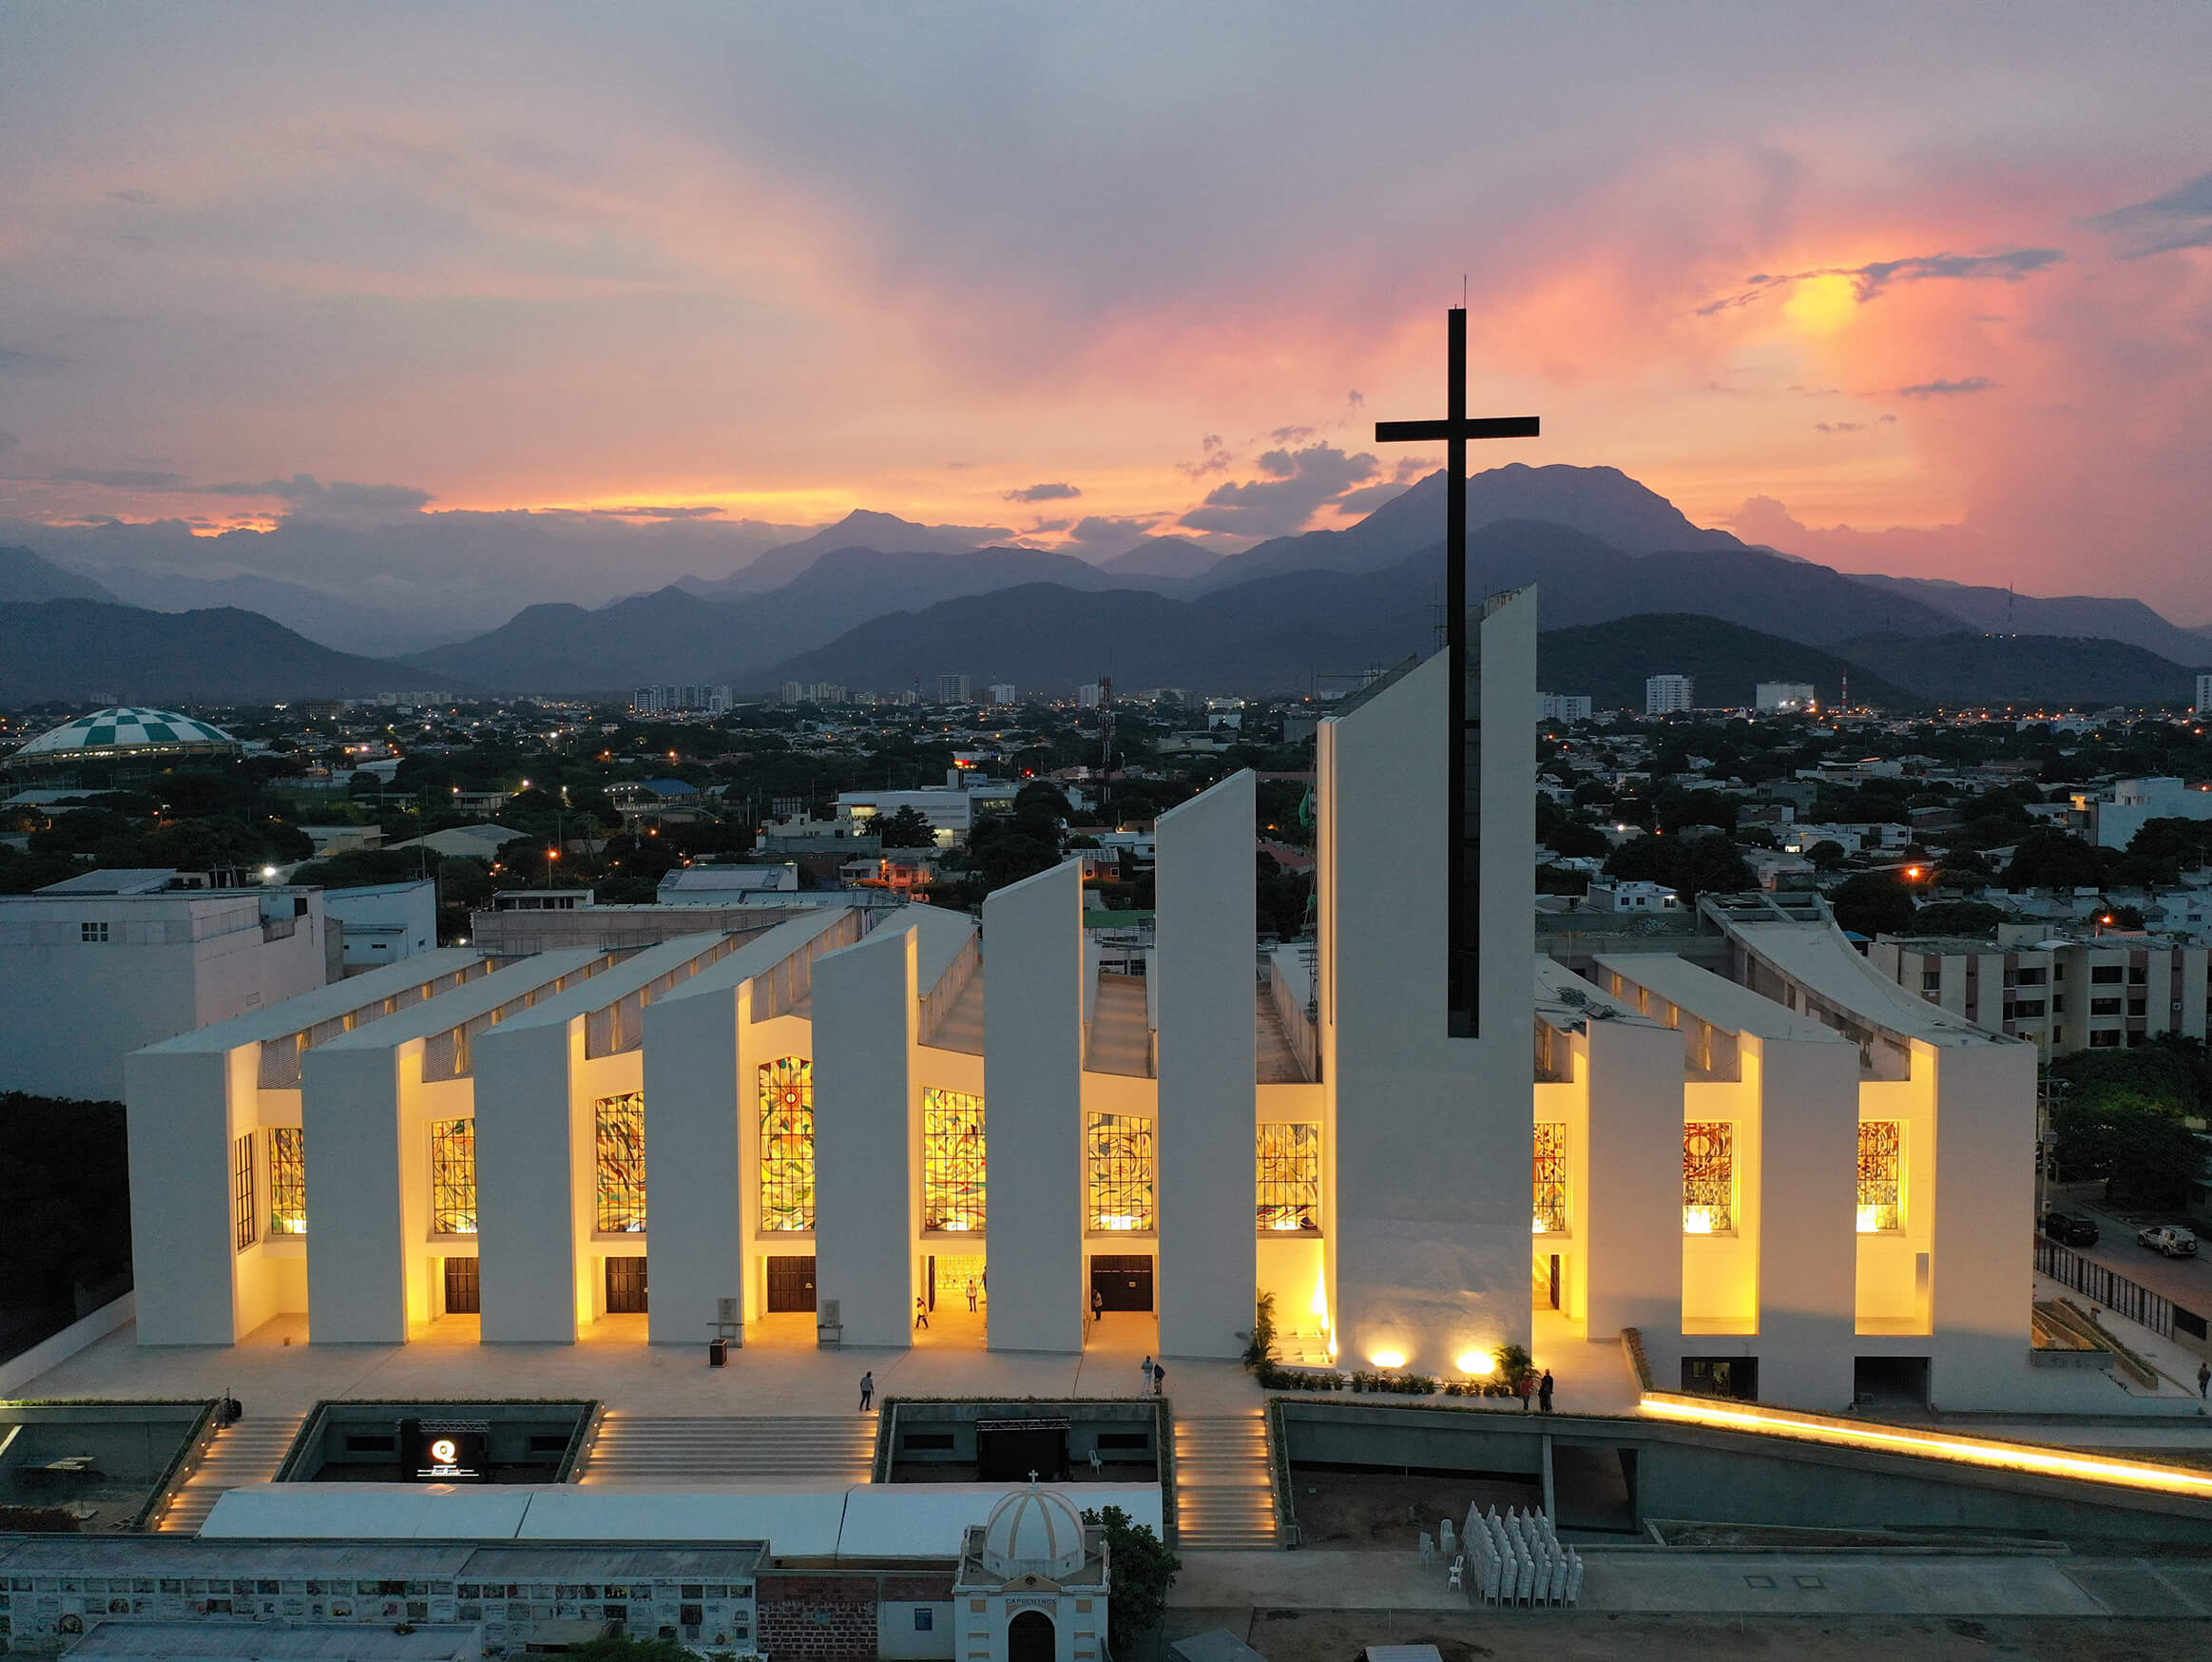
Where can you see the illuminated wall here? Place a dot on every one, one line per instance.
(452, 1176)
(952, 1160)
(787, 1145)
(287, 1181)
(619, 1144)
(1122, 1172)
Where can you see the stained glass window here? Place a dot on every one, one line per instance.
(1125, 1173)
(1881, 1176)
(788, 1144)
(452, 1176)
(1288, 1177)
(952, 1160)
(619, 1130)
(287, 1181)
(244, 1220)
(1708, 1177)
(1549, 1214)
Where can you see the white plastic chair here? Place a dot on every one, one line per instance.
(1458, 1581)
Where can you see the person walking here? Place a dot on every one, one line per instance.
(1544, 1392)
(1158, 1378)
(971, 1295)
(2204, 1377)
(1097, 1306)
(867, 1389)
(1524, 1388)
(1148, 1373)
(921, 1313)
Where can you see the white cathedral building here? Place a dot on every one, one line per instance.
(1777, 1175)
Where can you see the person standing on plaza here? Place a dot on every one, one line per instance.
(921, 1313)
(867, 1389)
(1097, 1306)
(1158, 1379)
(1524, 1388)
(1148, 1373)
(971, 1295)
(1544, 1392)
(2204, 1377)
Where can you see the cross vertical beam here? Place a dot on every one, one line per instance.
(1462, 878)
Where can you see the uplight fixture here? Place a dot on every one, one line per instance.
(1388, 1358)
(1479, 1363)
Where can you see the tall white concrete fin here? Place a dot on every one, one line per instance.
(1808, 1178)
(1032, 1023)
(694, 1096)
(1627, 1222)
(530, 1153)
(1209, 1071)
(181, 1131)
(357, 1240)
(865, 1020)
(1430, 1136)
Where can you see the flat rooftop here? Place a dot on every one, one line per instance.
(1715, 998)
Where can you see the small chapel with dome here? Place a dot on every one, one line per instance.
(1033, 1583)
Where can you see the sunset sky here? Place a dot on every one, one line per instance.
(1939, 274)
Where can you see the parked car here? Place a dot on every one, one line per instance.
(2070, 1228)
(2170, 1239)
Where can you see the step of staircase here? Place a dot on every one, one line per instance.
(731, 1450)
(249, 1452)
(1225, 1487)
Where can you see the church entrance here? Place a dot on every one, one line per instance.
(1029, 1637)
(790, 1284)
(625, 1287)
(464, 1295)
(1122, 1281)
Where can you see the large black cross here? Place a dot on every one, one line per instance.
(1462, 892)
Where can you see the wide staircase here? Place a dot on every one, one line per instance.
(1225, 1490)
(731, 1451)
(248, 1451)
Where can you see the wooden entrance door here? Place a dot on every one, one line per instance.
(790, 1284)
(463, 1294)
(625, 1287)
(1123, 1280)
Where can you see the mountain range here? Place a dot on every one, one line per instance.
(875, 602)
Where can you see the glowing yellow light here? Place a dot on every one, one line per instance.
(1321, 1305)
(1821, 305)
(1481, 1363)
(1388, 1358)
(1284, 1223)
(1537, 1224)
(1967, 1451)
(1696, 1220)
(1869, 1220)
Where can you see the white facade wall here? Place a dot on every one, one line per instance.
(180, 1130)
(171, 964)
(384, 923)
(867, 1105)
(1627, 1220)
(354, 1112)
(1209, 1064)
(1032, 1073)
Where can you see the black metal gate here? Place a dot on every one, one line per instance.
(2114, 1291)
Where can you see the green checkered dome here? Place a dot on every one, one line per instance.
(125, 728)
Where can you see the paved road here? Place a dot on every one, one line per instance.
(2185, 1281)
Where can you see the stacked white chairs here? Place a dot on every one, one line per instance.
(1516, 1559)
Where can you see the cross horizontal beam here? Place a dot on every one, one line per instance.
(1478, 427)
